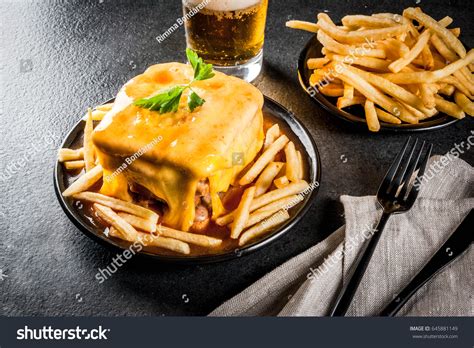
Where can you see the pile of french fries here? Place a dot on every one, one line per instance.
(400, 68)
(272, 187)
(261, 209)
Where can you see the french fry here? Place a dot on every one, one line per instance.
(386, 117)
(368, 62)
(427, 57)
(399, 64)
(105, 107)
(255, 217)
(456, 31)
(323, 77)
(138, 222)
(265, 179)
(123, 227)
(272, 133)
(462, 74)
(348, 91)
(467, 84)
(84, 182)
(156, 241)
(325, 23)
(263, 226)
(332, 90)
(449, 108)
(73, 165)
(89, 157)
(164, 243)
(97, 115)
(367, 21)
(334, 46)
(281, 182)
(400, 20)
(282, 203)
(396, 48)
(316, 78)
(265, 158)
(413, 112)
(427, 95)
(430, 76)
(316, 63)
(292, 166)
(242, 213)
(459, 86)
(442, 32)
(300, 165)
(371, 116)
(191, 238)
(267, 198)
(345, 102)
(447, 90)
(65, 155)
(446, 21)
(302, 25)
(464, 103)
(118, 205)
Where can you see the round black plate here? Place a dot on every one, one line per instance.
(354, 115)
(303, 141)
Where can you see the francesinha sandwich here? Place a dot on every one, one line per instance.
(182, 158)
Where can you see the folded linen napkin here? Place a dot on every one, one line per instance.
(307, 284)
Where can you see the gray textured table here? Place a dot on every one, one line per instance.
(59, 58)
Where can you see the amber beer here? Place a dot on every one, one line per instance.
(226, 32)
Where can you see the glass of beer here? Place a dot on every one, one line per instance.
(228, 34)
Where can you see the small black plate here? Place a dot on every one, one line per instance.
(272, 109)
(355, 114)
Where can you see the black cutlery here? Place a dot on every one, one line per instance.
(396, 195)
(454, 247)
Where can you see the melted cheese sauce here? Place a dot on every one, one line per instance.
(191, 146)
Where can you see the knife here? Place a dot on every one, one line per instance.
(454, 247)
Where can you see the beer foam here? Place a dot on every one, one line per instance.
(224, 5)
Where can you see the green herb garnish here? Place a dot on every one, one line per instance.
(168, 101)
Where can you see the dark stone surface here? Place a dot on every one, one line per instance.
(59, 58)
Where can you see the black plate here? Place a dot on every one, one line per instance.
(272, 109)
(354, 115)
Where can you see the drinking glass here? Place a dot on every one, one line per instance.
(228, 34)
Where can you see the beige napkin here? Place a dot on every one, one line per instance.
(307, 284)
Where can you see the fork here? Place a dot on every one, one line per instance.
(396, 195)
